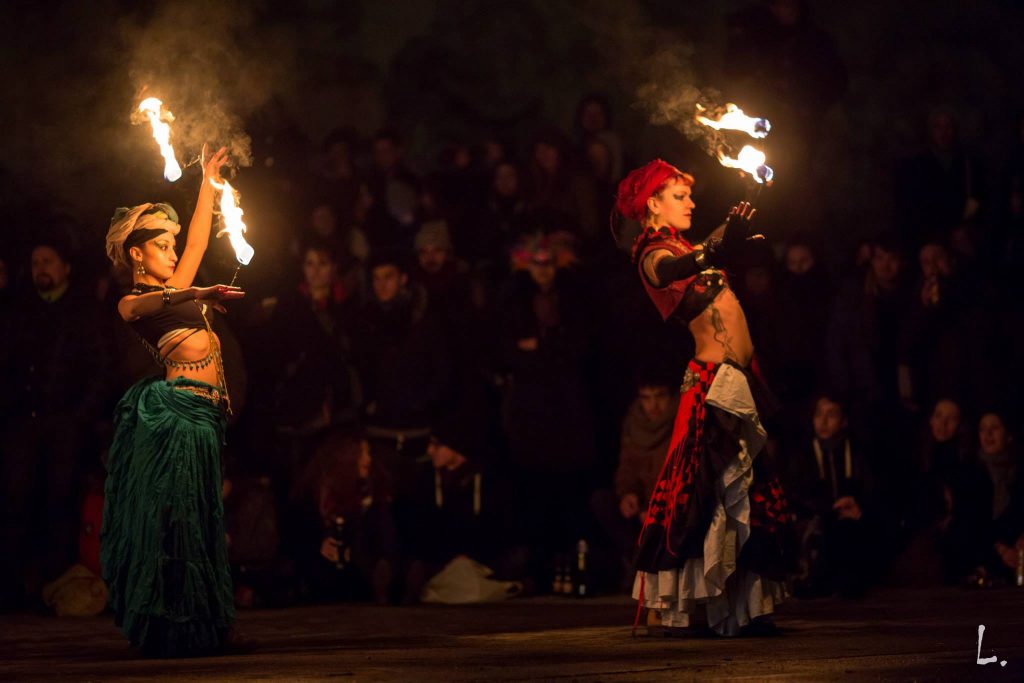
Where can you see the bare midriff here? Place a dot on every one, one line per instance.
(195, 348)
(721, 332)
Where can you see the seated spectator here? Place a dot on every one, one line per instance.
(830, 493)
(999, 456)
(347, 545)
(646, 432)
(950, 514)
(462, 506)
(253, 538)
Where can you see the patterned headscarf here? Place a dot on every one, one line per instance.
(132, 226)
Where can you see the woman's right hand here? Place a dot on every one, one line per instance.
(212, 165)
(218, 293)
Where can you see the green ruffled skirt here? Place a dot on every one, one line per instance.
(163, 549)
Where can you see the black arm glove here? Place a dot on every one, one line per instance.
(720, 252)
(672, 268)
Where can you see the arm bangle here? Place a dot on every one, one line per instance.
(167, 297)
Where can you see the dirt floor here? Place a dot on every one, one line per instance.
(890, 635)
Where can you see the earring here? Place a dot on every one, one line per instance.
(141, 270)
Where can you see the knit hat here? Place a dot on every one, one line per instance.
(434, 234)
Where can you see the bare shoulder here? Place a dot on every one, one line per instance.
(125, 308)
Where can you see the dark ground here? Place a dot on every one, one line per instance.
(891, 635)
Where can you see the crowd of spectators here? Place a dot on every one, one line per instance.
(459, 360)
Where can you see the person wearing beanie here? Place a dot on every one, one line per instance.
(712, 526)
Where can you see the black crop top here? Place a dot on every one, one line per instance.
(187, 315)
(700, 292)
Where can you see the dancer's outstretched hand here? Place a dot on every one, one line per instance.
(218, 293)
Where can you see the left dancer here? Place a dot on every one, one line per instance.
(163, 549)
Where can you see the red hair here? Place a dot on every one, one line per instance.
(643, 183)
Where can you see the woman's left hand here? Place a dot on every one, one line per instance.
(212, 165)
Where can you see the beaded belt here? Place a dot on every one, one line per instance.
(212, 395)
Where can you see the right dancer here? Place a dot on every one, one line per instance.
(709, 550)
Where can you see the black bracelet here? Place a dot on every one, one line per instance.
(167, 297)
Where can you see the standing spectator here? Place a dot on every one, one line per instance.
(559, 194)
(544, 342)
(862, 347)
(941, 187)
(405, 366)
(503, 219)
(314, 383)
(336, 176)
(55, 366)
(391, 182)
(805, 296)
(594, 123)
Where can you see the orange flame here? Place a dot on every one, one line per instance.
(232, 224)
(750, 160)
(735, 119)
(158, 118)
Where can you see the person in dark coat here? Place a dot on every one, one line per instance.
(544, 342)
(404, 362)
(54, 365)
(830, 494)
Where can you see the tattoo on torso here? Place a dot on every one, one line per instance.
(721, 335)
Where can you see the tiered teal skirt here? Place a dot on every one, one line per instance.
(163, 549)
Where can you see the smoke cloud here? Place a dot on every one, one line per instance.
(201, 60)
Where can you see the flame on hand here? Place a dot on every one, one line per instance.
(158, 118)
(735, 119)
(750, 160)
(232, 223)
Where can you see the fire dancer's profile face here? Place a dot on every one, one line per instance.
(157, 255)
(672, 206)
